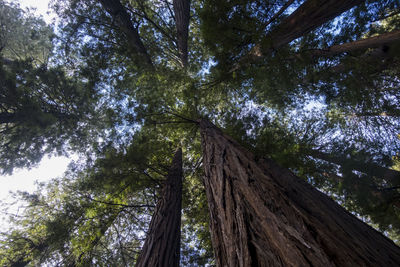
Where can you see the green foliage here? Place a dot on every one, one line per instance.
(23, 36)
(95, 96)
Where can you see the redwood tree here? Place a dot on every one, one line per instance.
(263, 215)
(162, 245)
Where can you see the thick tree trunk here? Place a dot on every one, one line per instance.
(182, 16)
(263, 215)
(369, 168)
(309, 16)
(124, 22)
(162, 245)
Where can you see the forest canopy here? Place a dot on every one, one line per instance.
(312, 85)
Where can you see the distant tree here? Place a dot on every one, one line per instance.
(41, 106)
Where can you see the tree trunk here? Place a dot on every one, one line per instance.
(381, 58)
(369, 168)
(263, 215)
(309, 16)
(371, 42)
(280, 11)
(123, 21)
(162, 245)
(182, 16)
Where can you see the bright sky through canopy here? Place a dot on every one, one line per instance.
(49, 167)
(41, 8)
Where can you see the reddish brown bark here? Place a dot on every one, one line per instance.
(162, 245)
(263, 215)
(124, 22)
(182, 16)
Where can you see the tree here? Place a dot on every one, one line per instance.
(263, 215)
(159, 66)
(42, 108)
(162, 245)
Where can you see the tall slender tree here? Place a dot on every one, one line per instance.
(162, 245)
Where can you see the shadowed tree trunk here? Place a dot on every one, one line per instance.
(307, 17)
(263, 215)
(124, 22)
(162, 245)
(382, 40)
(371, 42)
(310, 15)
(182, 16)
(369, 168)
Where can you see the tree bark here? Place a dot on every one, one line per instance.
(124, 22)
(182, 16)
(309, 16)
(371, 42)
(263, 215)
(369, 168)
(162, 245)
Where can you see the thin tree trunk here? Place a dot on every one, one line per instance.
(182, 16)
(124, 22)
(162, 245)
(369, 168)
(379, 193)
(371, 42)
(309, 16)
(277, 14)
(381, 58)
(263, 215)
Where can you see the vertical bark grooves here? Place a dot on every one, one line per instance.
(182, 16)
(162, 245)
(263, 215)
(124, 22)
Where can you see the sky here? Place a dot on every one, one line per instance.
(41, 7)
(24, 179)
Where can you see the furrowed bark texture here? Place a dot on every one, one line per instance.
(263, 215)
(162, 245)
(123, 21)
(182, 16)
